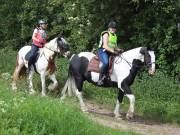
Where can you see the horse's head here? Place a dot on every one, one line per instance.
(149, 59)
(63, 46)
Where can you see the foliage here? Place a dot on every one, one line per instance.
(151, 23)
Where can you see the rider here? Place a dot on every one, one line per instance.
(39, 38)
(107, 46)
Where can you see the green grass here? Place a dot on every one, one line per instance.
(158, 98)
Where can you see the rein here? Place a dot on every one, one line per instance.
(120, 56)
(130, 64)
(50, 50)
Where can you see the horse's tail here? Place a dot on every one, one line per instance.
(70, 85)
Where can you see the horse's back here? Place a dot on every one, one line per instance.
(88, 55)
(79, 62)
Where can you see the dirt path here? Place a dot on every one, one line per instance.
(138, 125)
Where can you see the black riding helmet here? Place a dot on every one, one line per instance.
(112, 24)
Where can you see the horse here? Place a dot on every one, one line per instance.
(44, 64)
(124, 71)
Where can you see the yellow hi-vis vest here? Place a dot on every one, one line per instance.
(112, 41)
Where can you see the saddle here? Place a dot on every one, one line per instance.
(94, 64)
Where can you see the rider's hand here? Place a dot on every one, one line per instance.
(41, 41)
(120, 50)
(116, 52)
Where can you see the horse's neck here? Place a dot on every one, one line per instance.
(48, 52)
(132, 54)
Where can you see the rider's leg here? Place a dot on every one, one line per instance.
(34, 50)
(105, 62)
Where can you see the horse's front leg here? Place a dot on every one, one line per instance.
(118, 103)
(32, 91)
(125, 89)
(53, 85)
(43, 84)
(130, 113)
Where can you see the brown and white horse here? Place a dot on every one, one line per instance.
(44, 64)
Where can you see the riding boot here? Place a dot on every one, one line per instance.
(102, 76)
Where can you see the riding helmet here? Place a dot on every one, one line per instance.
(42, 22)
(112, 24)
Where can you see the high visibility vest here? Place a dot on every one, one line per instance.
(112, 41)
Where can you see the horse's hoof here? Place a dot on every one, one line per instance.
(43, 95)
(32, 92)
(52, 86)
(84, 109)
(129, 115)
(117, 116)
(14, 87)
(62, 98)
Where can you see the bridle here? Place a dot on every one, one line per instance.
(130, 63)
(120, 56)
(54, 51)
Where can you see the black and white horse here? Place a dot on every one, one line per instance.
(124, 71)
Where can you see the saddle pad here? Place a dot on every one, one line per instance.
(93, 65)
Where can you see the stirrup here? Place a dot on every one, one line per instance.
(101, 81)
(29, 69)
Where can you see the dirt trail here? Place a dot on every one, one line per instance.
(138, 125)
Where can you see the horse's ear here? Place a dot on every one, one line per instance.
(59, 38)
(143, 50)
(150, 49)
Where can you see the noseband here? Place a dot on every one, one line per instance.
(60, 46)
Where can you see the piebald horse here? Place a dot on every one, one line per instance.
(44, 64)
(125, 68)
